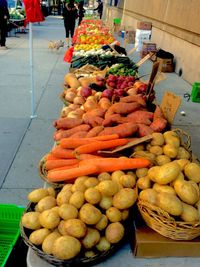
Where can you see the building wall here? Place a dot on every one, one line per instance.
(175, 28)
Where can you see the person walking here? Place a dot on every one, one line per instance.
(81, 12)
(99, 8)
(70, 14)
(4, 16)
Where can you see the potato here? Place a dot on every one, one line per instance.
(192, 171)
(188, 191)
(197, 205)
(189, 213)
(38, 236)
(183, 153)
(48, 242)
(91, 239)
(170, 203)
(89, 254)
(172, 139)
(89, 214)
(131, 173)
(67, 187)
(149, 195)
(103, 244)
(114, 232)
(153, 172)
(77, 199)
(46, 203)
(91, 182)
(182, 163)
(79, 184)
(113, 214)
(158, 139)
(92, 195)
(139, 147)
(164, 188)
(37, 194)
(127, 180)
(102, 223)
(148, 146)
(61, 228)
(156, 150)
(125, 214)
(51, 191)
(170, 151)
(56, 209)
(167, 173)
(144, 182)
(145, 154)
(66, 247)
(49, 219)
(68, 211)
(75, 228)
(63, 197)
(36, 208)
(104, 176)
(108, 187)
(106, 202)
(162, 159)
(141, 172)
(125, 198)
(115, 176)
(31, 221)
(179, 177)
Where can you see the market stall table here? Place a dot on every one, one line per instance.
(18, 25)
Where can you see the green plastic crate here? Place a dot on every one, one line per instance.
(195, 95)
(10, 216)
(117, 21)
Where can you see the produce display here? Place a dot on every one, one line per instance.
(17, 13)
(113, 149)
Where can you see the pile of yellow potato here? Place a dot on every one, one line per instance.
(87, 215)
(174, 183)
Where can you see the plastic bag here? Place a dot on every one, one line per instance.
(69, 54)
(33, 11)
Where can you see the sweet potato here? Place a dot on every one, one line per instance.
(67, 123)
(114, 119)
(144, 130)
(141, 116)
(122, 108)
(80, 134)
(95, 131)
(158, 113)
(93, 121)
(67, 133)
(97, 112)
(159, 124)
(123, 130)
(104, 103)
(133, 98)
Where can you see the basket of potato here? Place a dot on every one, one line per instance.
(80, 223)
(169, 192)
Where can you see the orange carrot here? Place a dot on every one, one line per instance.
(106, 137)
(64, 167)
(62, 153)
(50, 156)
(73, 142)
(71, 174)
(87, 156)
(52, 164)
(99, 145)
(114, 164)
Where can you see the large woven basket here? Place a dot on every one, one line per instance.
(161, 221)
(79, 260)
(164, 224)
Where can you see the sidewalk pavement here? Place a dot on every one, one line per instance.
(24, 141)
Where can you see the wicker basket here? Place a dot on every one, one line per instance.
(161, 221)
(79, 260)
(164, 224)
(43, 174)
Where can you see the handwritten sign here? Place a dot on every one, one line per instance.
(170, 104)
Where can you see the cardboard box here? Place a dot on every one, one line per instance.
(143, 25)
(149, 244)
(146, 48)
(167, 64)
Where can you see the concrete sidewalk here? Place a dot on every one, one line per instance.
(24, 141)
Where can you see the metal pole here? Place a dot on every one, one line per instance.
(33, 115)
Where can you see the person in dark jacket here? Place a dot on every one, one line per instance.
(4, 16)
(81, 12)
(99, 8)
(70, 14)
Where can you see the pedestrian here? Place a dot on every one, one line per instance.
(99, 8)
(70, 14)
(4, 17)
(81, 12)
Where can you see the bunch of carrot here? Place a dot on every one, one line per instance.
(74, 157)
